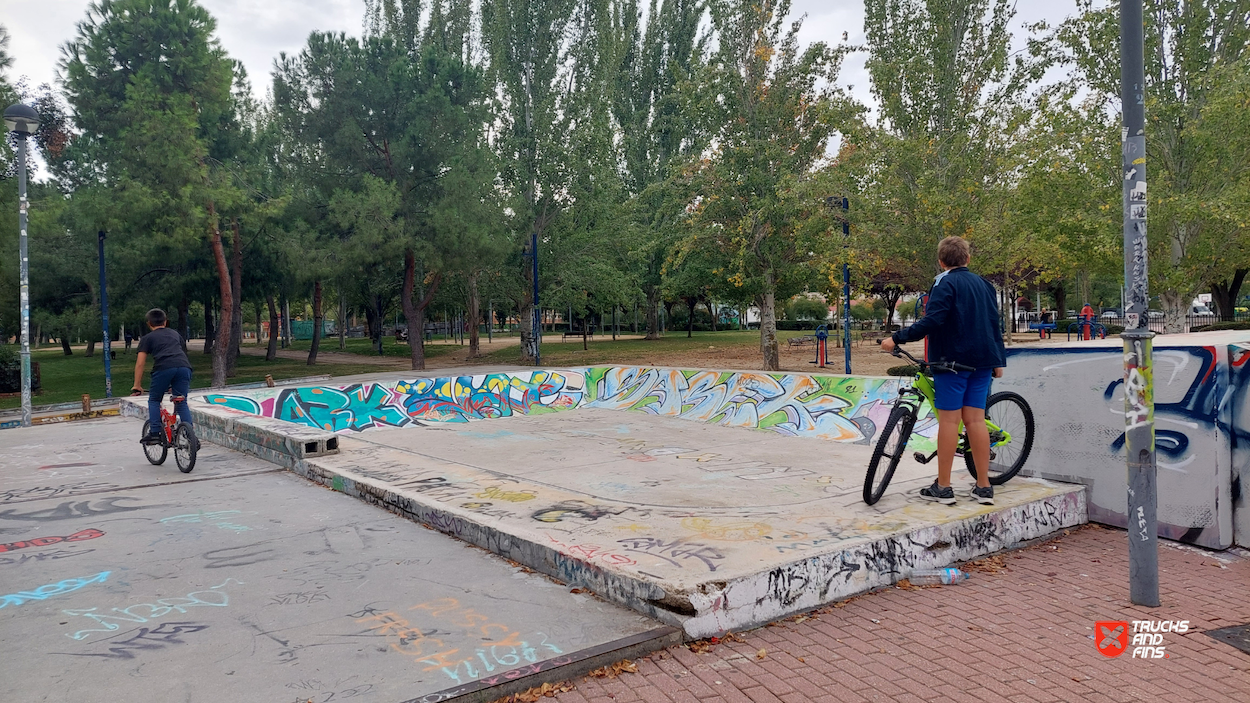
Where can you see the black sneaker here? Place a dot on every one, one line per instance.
(152, 440)
(945, 496)
(984, 496)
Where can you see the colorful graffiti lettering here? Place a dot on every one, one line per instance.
(147, 612)
(837, 408)
(52, 589)
(369, 406)
(501, 646)
(78, 536)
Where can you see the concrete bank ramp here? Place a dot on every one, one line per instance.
(711, 525)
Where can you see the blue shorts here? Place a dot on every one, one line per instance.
(954, 391)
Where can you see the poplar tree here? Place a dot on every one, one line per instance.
(776, 108)
(151, 90)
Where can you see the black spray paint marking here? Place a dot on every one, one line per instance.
(159, 637)
(70, 510)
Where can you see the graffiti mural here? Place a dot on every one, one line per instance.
(368, 406)
(839, 408)
(1078, 399)
(1235, 413)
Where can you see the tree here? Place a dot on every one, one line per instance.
(937, 162)
(152, 95)
(528, 43)
(657, 107)
(382, 125)
(1197, 142)
(777, 109)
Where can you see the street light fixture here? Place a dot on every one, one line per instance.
(23, 121)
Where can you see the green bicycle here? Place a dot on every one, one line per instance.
(1007, 416)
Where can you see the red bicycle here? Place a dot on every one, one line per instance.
(174, 434)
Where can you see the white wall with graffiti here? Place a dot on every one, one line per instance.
(839, 408)
(1201, 386)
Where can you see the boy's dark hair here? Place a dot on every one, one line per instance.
(953, 251)
(156, 317)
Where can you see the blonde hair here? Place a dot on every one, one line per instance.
(954, 251)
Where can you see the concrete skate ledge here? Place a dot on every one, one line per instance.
(281, 443)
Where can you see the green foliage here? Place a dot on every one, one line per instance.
(1217, 326)
(1197, 69)
(805, 308)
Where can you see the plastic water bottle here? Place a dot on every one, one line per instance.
(938, 577)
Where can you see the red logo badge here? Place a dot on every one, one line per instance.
(1111, 637)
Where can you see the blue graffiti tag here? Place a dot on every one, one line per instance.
(53, 589)
(146, 612)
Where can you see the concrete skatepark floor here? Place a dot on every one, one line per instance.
(242, 582)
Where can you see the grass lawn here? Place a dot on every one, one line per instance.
(602, 350)
(66, 378)
(365, 347)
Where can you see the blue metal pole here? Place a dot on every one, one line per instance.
(846, 285)
(538, 328)
(108, 336)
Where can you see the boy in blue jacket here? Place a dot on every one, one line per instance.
(962, 324)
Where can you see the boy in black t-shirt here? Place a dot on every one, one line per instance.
(172, 370)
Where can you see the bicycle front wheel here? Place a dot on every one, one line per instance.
(185, 448)
(155, 453)
(1012, 414)
(891, 444)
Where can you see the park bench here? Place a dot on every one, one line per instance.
(801, 341)
(577, 334)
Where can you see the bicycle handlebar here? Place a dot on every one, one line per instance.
(935, 366)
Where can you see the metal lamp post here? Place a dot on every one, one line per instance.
(108, 336)
(23, 121)
(845, 204)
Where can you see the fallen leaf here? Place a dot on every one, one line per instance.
(761, 654)
(547, 690)
(801, 660)
(576, 590)
(699, 646)
(614, 670)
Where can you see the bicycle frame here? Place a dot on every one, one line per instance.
(923, 387)
(169, 420)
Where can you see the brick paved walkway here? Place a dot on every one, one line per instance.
(1021, 634)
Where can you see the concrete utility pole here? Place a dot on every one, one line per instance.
(1139, 409)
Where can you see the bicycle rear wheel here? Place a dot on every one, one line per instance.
(185, 448)
(1012, 414)
(155, 453)
(890, 447)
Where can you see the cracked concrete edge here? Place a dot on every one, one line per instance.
(562, 668)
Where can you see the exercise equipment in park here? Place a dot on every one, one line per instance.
(822, 347)
(1086, 329)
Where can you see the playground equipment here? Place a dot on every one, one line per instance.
(822, 347)
(1087, 326)
(1043, 329)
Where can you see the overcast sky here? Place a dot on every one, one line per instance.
(255, 31)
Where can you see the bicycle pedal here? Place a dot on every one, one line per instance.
(920, 457)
